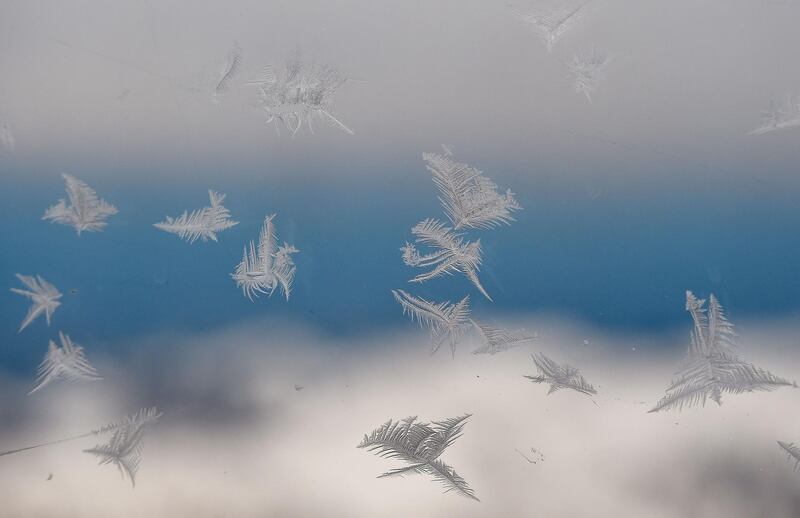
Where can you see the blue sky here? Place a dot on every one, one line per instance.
(611, 255)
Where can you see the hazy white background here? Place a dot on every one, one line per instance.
(101, 86)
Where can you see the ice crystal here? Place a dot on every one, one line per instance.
(297, 95)
(44, 298)
(586, 70)
(229, 69)
(559, 376)
(469, 198)
(66, 362)
(202, 223)
(792, 452)
(496, 340)
(85, 211)
(553, 24)
(447, 322)
(451, 253)
(124, 448)
(711, 367)
(420, 445)
(779, 116)
(266, 267)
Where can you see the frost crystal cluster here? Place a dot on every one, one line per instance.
(586, 71)
(124, 448)
(559, 376)
(420, 445)
(447, 322)
(553, 24)
(792, 452)
(469, 199)
(66, 362)
(267, 266)
(711, 367)
(495, 340)
(297, 95)
(202, 223)
(44, 298)
(779, 116)
(85, 211)
(450, 253)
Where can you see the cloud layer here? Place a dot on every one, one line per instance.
(238, 438)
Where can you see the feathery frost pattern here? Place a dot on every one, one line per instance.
(779, 116)
(559, 376)
(711, 367)
(447, 322)
(496, 340)
(202, 223)
(420, 445)
(451, 253)
(266, 267)
(792, 452)
(586, 71)
(469, 198)
(66, 362)
(298, 94)
(86, 212)
(124, 449)
(44, 298)
(230, 69)
(552, 25)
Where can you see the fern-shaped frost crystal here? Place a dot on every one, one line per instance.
(420, 445)
(66, 362)
(451, 253)
(559, 376)
(298, 95)
(124, 448)
(779, 116)
(85, 211)
(469, 198)
(586, 71)
(551, 25)
(43, 295)
(496, 340)
(266, 267)
(202, 223)
(711, 367)
(447, 322)
(792, 452)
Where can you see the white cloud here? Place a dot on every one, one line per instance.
(238, 439)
